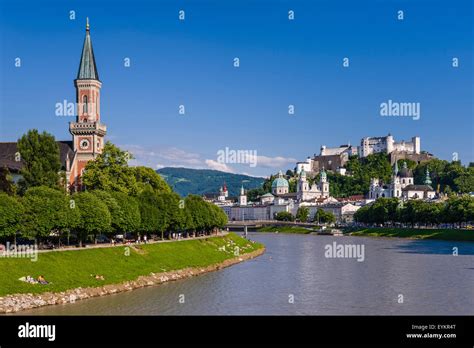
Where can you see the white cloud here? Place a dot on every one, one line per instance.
(160, 157)
(219, 166)
(163, 157)
(275, 162)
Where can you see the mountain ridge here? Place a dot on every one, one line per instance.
(187, 181)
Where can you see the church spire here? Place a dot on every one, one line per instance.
(427, 177)
(87, 67)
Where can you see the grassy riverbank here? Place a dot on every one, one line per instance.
(415, 233)
(72, 269)
(286, 229)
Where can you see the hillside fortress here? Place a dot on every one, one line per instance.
(335, 158)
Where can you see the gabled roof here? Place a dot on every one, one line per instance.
(417, 188)
(8, 151)
(87, 66)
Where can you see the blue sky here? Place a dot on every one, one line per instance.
(282, 62)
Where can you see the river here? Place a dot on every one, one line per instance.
(293, 277)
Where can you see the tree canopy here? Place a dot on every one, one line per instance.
(40, 155)
(95, 216)
(11, 213)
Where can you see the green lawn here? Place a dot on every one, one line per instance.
(414, 233)
(286, 229)
(72, 269)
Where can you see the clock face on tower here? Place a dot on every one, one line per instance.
(84, 144)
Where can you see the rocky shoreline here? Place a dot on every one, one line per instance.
(19, 302)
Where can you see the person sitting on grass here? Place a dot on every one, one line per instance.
(98, 277)
(28, 279)
(42, 281)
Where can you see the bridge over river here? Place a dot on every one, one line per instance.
(253, 225)
(262, 223)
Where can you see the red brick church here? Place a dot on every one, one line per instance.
(87, 131)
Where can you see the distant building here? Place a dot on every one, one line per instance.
(307, 166)
(335, 158)
(343, 212)
(332, 158)
(242, 197)
(371, 145)
(401, 186)
(307, 192)
(280, 185)
(280, 200)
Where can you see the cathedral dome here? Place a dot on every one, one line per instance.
(280, 181)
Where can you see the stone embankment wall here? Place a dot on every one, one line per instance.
(19, 302)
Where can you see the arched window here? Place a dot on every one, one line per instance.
(84, 104)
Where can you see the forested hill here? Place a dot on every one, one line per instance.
(199, 181)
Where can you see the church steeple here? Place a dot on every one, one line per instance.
(427, 177)
(87, 66)
(87, 131)
(395, 168)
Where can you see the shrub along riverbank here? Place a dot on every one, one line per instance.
(416, 233)
(73, 269)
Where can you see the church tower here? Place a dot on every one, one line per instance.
(87, 131)
(242, 196)
(324, 184)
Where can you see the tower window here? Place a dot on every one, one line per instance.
(84, 104)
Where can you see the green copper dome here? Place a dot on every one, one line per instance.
(280, 181)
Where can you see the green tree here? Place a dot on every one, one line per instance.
(188, 222)
(199, 213)
(459, 209)
(109, 171)
(113, 207)
(128, 219)
(11, 214)
(170, 217)
(464, 183)
(40, 155)
(95, 216)
(46, 209)
(362, 214)
(284, 216)
(147, 177)
(149, 211)
(6, 183)
(302, 214)
(322, 216)
(254, 194)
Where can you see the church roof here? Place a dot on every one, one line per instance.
(9, 149)
(418, 188)
(287, 195)
(280, 182)
(87, 66)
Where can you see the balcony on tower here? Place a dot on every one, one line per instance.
(87, 128)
